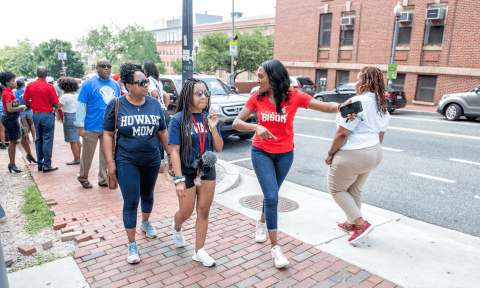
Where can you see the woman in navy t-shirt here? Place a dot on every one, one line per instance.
(192, 132)
(140, 125)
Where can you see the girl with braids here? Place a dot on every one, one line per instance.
(272, 151)
(192, 132)
(356, 150)
(140, 125)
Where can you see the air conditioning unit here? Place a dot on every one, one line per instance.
(435, 14)
(346, 21)
(406, 17)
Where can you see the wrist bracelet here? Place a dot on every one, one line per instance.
(331, 154)
(179, 179)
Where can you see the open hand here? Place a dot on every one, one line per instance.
(212, 120)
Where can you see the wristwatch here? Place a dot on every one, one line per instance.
(331, 154)
(178, 179)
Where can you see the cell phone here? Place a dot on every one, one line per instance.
(353, 108)
(15, 103)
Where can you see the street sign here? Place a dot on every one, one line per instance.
(62, 56)
(392, 71)
(233, 49)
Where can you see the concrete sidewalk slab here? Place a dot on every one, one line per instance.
(230, 180)
(399, 249)
(58, 274)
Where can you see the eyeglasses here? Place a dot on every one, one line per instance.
(103, 66)
(142, 82)
(199, 93)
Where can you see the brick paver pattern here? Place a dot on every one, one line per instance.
(241, 262)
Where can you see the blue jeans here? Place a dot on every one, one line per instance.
(271, 170)
(136, 183)
(44, 129)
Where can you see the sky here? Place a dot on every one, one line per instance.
(69, 20)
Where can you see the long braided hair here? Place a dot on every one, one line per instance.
(279, 81)
(373, 81)
(184, 104)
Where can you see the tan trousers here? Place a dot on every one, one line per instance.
(347, 173)
(88, 151)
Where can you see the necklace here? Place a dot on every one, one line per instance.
(136, 106)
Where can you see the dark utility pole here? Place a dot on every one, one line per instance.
(187, 40)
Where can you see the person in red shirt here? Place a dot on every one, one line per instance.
(41, 96)
(10, 119)
(272, 151)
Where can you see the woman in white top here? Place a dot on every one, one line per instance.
(68, 104)
(356, 150)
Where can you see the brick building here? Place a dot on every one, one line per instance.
(434, 57)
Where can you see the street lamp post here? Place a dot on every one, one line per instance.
(61, 50)
(196, 55)
(398, 10)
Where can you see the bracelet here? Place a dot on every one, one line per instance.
(179, 179)
(331, 154)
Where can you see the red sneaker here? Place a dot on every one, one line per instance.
(347, 228)
(360, 232)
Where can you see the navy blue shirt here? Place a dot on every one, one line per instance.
(175, 138)
(137, 141)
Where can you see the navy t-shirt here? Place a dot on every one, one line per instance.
(175, 138)
(137, 141)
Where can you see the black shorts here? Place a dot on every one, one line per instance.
(189, 177)
(13, 128)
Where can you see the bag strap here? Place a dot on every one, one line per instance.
(117, 102)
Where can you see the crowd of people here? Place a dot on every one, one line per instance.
(136, 133)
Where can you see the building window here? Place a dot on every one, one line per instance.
(343, 77)
(426, 88)
(175, 52)
(168, 64)
(346, 37)
(435, 35)
(404, 35)
(399, 83)
(325, 30)
(434, 30)
(171, 52)
(174, 37)
(164, 52)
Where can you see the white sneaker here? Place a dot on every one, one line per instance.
(178, 238)
(261, 234)
(133, 256)
(202, 256)
(278, 258)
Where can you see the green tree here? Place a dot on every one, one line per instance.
(138, 45)
(44, 56)
(103, 42)
(177, 65)
(161, 67)
(253, 49)
(9, 53)
(24, 65)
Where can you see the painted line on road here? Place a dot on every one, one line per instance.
(406, 129)
(392, 149)
(314, 137)
(465, 161)
(429, 120)
(433, 177)
(239, 160)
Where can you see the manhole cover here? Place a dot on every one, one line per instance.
(256, 203)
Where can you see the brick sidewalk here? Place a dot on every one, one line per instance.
(241, 262)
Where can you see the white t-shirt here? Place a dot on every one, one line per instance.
(153, 86)
(69, 102)
(364, 133)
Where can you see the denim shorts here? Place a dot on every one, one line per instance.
(27, 113)
(69, 129)
(190, 177)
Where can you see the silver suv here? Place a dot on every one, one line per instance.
(455, 105)
(224, 102)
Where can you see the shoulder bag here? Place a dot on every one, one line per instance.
(113, 182)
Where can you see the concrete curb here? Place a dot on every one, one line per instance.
(230, 180)
(399, 112)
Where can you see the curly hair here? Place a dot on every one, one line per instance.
(5, 77)
(68, 84)
(20, 84)
(279, 81)
(127, 72)
(184, 103)
(373, 81)
(151, 70)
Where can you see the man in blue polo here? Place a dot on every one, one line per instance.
(92, 101)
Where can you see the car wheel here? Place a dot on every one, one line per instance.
(453, 112)
(246, 136)
(320, 98)
(471, 118)
(391, 110)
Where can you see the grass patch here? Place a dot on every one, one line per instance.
(37, 211)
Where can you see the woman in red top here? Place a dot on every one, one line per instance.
(272, 151)
(10, 119)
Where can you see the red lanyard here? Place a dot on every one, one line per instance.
(202, 142)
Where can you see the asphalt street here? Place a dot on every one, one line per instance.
(430, 169)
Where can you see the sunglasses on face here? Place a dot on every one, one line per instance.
(142, 82)
(199, 93)
(103, 66)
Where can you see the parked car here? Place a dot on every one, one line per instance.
(395, 99)
(303, 84)
(455, 105)
(231, 87)
(223, 102)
